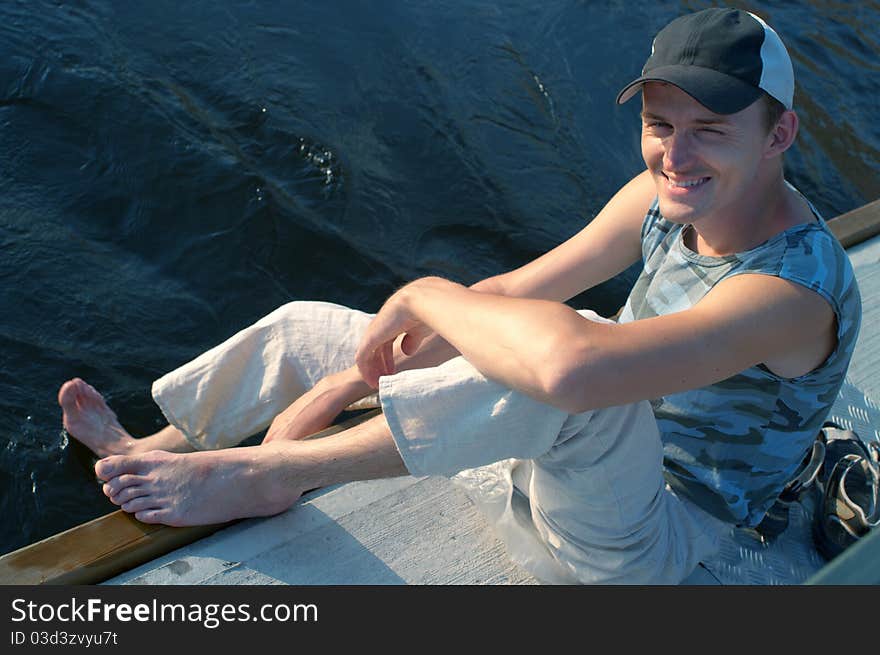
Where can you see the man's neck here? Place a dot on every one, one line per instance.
(771, 208)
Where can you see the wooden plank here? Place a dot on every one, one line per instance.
(95, 551)
(106, 546)
(857, 225)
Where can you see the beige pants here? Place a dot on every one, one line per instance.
(576, 498)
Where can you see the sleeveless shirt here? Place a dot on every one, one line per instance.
(731, 447)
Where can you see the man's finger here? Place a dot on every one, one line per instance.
(367, 364)
(412, 340)
(386, 356)
(366, 372)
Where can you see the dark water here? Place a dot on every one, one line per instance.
(171, 171)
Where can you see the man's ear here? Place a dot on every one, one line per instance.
(782, 136)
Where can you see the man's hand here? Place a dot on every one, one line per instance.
(375, 354)
(316, 409)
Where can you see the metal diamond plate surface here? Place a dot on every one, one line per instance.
(792, 557)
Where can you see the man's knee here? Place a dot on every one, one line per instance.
(307, 311)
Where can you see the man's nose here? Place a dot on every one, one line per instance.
(677, 151)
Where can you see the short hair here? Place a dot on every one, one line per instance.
(773, 110)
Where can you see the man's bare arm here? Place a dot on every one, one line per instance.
(744, 321)
(608, 245)
(550, 352)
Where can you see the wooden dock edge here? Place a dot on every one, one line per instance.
(95, 551)
(109, 545)
(99, 549)
(858, 225)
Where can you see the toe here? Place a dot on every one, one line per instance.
(129, 494)
(115, 466)
(151, 516)
(108, 468)
(89, 399)
(114, 485)
(67, 393)
(139, 504)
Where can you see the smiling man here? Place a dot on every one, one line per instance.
(637, 443)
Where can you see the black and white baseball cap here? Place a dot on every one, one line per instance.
(723, 58)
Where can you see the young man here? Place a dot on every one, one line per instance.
(637, 443)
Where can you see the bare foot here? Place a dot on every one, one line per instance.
(88, 418)
(201, 488)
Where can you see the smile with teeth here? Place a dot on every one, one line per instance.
(686, 184)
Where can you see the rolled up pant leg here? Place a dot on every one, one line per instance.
(237, 388)
(598, 510)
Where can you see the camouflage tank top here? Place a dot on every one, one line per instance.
(732, 446)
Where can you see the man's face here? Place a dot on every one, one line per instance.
(703, 163)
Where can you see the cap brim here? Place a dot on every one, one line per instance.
(718, 92)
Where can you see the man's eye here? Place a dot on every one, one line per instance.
(709, 130)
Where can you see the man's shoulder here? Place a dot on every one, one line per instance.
(812, 253)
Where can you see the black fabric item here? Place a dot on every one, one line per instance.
(713, 55)
(839, 442)
(848, 477)
(724, 40)
(849, 483)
